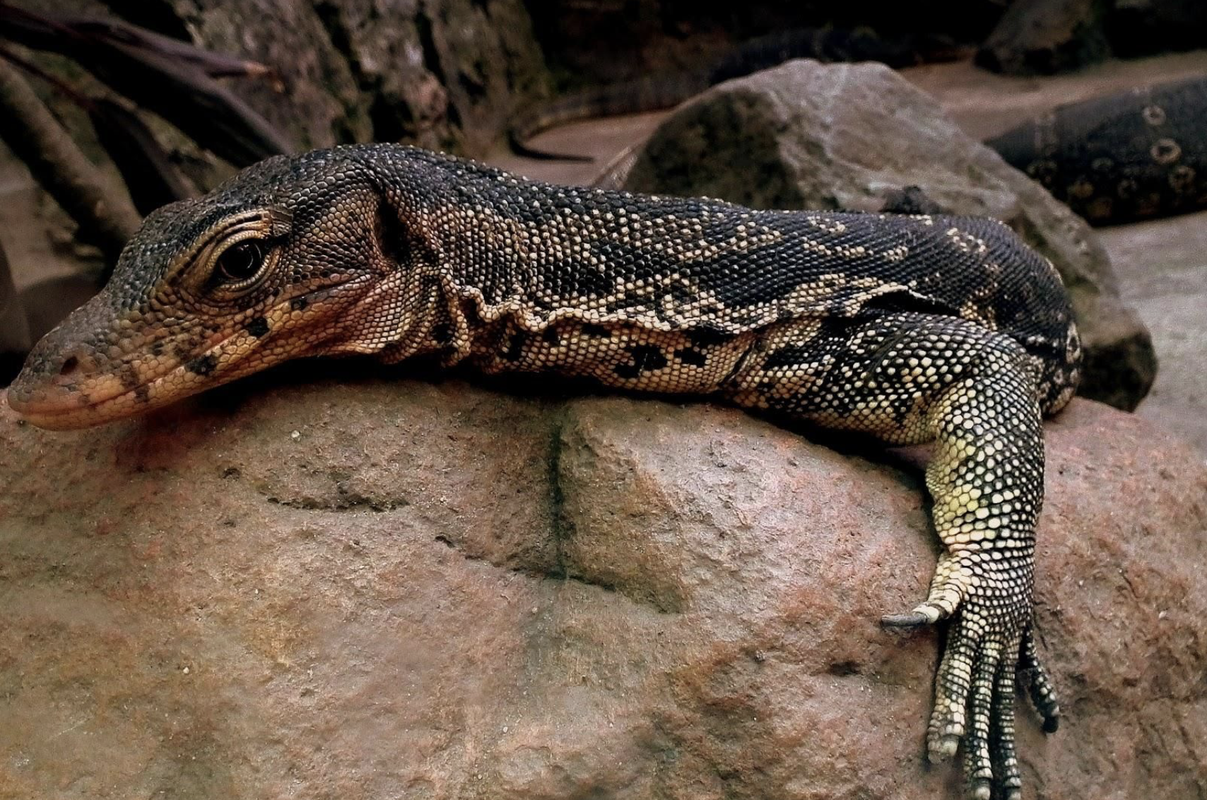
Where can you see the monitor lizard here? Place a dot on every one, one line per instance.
(907, 328)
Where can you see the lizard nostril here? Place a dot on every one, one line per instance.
(69, 366)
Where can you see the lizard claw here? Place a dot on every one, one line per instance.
(913, 619)
(946, 593)
(948, 589)
(1039, 685)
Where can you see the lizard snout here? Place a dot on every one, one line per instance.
(64, 376)
(52, 381)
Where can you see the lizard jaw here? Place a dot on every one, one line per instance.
(62, 409)
(99, 396)
(47, 401)
(57, 417)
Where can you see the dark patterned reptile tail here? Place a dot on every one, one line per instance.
(1119, 158)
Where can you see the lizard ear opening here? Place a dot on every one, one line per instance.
(394, 240)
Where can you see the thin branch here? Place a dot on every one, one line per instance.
(14, 329)
(106, 218)
(33, 69)
(170, 78)
(65, 33)
(151, 178)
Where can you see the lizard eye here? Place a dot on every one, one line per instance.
(240, 262)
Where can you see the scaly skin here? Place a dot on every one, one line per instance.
(908, 328)
(1132, 155)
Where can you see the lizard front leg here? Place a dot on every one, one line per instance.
(986, 476)
(909, 378)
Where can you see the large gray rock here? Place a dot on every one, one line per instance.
(389, 590)
(807, 135)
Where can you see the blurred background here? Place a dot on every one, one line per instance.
(110, 109)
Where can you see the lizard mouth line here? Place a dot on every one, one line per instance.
(222, 366)
(214, 366)
(64, 411)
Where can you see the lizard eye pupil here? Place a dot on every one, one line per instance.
(240, 261)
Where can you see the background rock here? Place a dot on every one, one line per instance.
(1041, 37)
(446, 74)
(318, 104)
(1141, 27)
(604, 41)
(15, 340)
(382, 589)
(807, 135)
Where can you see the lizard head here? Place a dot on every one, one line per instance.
(268, 267)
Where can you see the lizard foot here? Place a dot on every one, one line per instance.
(988, 642)
(974, 703)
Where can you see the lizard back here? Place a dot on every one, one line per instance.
(676, 280)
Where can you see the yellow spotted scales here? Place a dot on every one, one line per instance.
(908, 328)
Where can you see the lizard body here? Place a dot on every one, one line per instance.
(909, 328)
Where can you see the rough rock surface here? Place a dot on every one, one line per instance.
(1041, 37)
(444, 74)
(318, 103)
(807, 135)
(394, 589)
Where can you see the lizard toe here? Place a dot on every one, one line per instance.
(978, 763)
(1038, 682)
(947, 721)
(1005, 760)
